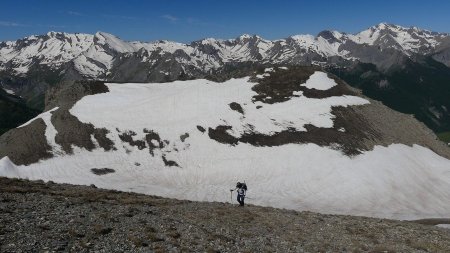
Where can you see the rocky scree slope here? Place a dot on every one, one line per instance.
(39, 216)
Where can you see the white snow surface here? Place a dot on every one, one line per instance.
(9, 91)
(444, 226)
(319, 81)
(397, 181)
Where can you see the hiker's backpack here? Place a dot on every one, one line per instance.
(241, 185)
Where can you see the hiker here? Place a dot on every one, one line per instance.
(241, 190)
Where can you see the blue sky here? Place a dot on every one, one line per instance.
(190, 20)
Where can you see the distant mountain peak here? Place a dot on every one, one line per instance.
(244, 36)
(383, 25)
(113, 42)
(247, 37)
(330, 36)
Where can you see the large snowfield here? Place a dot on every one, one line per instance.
(397, 181)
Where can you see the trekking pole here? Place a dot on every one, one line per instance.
(231, 196)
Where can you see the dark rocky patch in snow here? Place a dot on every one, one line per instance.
(201, 129)
(236, 107)
(183, 137)
(169, 163)
(153, 140)
(27, 144)
(72, 132)
(221, 135)
(102, 171)
(351, 142)
(280, 85)
(105, 143)
(128, 138)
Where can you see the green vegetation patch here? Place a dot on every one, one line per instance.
(444, 136)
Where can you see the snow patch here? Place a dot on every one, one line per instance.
(319, 81)
(11, 92)
(297, 93)
(444, 226)
(8, 168)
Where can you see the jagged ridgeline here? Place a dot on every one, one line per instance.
(301, 138)
(405, 68)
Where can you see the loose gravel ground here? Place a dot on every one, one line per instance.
(39, 217)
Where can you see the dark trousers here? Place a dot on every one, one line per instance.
(240, 199)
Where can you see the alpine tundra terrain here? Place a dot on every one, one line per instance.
(405, 68)
(300, 137)
(40, 217)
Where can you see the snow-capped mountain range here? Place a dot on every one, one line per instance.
(105, 56)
